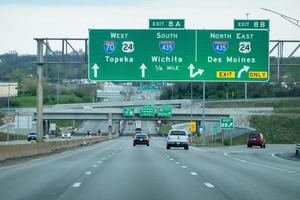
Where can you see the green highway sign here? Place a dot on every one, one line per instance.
(128, 112)
(179, 55)
(166, 23)
(226, 123)
(147, 111)
(164, 111)
(251, 24)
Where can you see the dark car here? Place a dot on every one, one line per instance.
(256, 139)
(141, 138)
(31, 136)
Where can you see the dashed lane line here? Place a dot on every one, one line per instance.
(95, 166)
(76, 184)
(183, 166)
(193, 173)
(88, 173)
(209, 185)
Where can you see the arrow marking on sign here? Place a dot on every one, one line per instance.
(95, 68)
(244, 69)
(194, 74)
(143, 68)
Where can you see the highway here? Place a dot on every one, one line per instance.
(115, 170)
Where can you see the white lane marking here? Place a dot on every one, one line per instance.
(273, 155)
(76, 184)
(112, 153)
(177, 162)
(171, 159)
(262, 165)
(197, 149)
(95, 165)
(103, 158)
(183, 166)
(193, 173)
(99, 161)
(209, 185)
(88, 172)
(243, 161)
(168, 156)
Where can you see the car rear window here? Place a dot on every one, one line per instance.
(141, 136)
(177, 133)
(256, 135)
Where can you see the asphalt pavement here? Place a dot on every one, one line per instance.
(117, 170)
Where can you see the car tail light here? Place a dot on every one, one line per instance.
(146, 138)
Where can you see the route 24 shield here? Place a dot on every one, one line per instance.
(220, 46)
(166, 46)
(109, 46)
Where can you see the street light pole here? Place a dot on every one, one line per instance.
(8, 112)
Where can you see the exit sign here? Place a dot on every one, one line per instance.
(166, 23)
(251, 24)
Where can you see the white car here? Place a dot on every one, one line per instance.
(178, 138)
(66, 135)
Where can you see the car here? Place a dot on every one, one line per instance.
(31, 136)
(256, 139)
(298, 150)
(141, 138)
(88, 134)
(178, 138)
(66, 135)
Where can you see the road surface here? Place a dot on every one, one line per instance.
(116, 170)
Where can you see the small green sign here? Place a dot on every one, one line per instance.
(251, 24)
(226, 123)
(166, 23)
(128, 112)
(164, 111)
(147, 111)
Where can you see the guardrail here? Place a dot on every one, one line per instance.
(298, 149)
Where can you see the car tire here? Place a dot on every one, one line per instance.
(133, 144)
(147, 145)
(168, 147)
(186, 148)
(264, 146)
(248, 146)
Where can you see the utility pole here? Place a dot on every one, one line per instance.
(8, 112)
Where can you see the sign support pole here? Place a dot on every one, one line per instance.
(203, 110)
(39, 91)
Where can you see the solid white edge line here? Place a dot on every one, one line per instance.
(76, 184)
(197, 149)
(243, 161)
(209, 185)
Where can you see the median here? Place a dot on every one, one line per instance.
(12, 151)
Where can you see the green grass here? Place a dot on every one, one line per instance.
(23, 101)
(30, 101)
(164, 128)
(278, 129)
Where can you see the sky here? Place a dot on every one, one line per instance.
(21, 20)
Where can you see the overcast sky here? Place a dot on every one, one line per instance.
(20, 22)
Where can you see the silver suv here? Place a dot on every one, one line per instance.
(178, 138)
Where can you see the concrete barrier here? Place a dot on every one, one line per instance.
(23, 150)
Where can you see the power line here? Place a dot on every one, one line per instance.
(289, 19)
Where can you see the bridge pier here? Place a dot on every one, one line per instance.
(109, 129)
